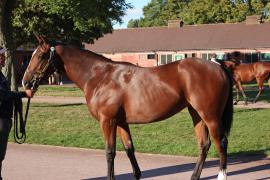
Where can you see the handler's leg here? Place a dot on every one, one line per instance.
(5, 126)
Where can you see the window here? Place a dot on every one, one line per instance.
(151, 56)
(251, 57)
(189, 55)
(265, 56)
(220, 56)
(169, 58)
(205, 56)
(166, 58)
(163, 59)
(178, 57)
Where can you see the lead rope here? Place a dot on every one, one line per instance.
(20, 134)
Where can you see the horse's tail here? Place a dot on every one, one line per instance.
(227, 117)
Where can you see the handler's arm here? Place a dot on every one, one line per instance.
(7, 95)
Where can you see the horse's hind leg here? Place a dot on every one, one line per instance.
(108, 127)
(204, 142)
(124, 133)
(260, 84)
(221, 143)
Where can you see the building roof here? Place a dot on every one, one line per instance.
(187, 37)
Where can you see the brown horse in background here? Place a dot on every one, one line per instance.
(118, 94)
(244, 73)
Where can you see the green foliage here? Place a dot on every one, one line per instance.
(158, 12)
(72, 21)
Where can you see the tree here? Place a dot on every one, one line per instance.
(72, 21)
(133, 23)
(6, 39)
(158, 12)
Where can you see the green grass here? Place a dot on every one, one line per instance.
(54, 90)
(251, 92)
(71, 125)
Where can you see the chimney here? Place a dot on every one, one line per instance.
(175, 23)
(254, 19)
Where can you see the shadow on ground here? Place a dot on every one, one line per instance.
(238, 158)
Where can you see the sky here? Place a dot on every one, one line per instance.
(134, 13)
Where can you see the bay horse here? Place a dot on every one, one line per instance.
(119, 94)
(244, 73)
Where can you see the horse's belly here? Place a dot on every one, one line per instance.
(148, 113)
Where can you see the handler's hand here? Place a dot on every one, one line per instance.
(29, 93)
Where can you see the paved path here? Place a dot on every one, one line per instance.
(39, 162)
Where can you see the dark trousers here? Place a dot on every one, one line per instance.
(5, 126)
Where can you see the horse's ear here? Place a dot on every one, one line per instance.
(41, 39)
(38, 38)
(43, 42)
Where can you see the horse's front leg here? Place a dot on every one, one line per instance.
(124, 133)
(108, 127)
(260, 84)
(237, 95)
(240, 87)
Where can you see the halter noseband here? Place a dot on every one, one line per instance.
(41, 73)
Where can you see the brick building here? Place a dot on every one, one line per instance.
(248, 41)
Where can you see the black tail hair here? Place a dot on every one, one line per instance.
(227, 117)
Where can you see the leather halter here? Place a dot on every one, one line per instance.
(41, 73)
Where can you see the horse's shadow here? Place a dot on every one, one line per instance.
(233, 159)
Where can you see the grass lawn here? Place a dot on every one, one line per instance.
(54, 90)
(71, 125)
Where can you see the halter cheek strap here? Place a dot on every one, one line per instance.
(40, 74)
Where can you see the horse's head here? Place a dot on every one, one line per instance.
(39, 66)
(231, 64)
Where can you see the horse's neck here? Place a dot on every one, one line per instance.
(267, 66)
(78, 65)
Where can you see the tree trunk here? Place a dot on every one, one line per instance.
(6, 40)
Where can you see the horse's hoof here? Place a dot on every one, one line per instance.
(194, 177)
(138, 175)
(222, 175)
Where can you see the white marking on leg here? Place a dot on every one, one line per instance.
(222, 175)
